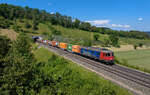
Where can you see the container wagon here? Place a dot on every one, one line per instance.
(63, 46)
(69, 47)
(55, 43)
(76, 49)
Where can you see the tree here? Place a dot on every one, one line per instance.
(85, 26)
(96, 36)
(27, 25)
(17, 28)
(106, 42)
(4, 23)
(4, 45)
(19, 67)
(4, 48)
(35, 24)
(76, 23)
(114, 40)
(95, 29)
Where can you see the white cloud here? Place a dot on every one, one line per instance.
(120, 26)
(52, 13)
(140, 19)
(106, 23)
(99, 22)
(127, 26)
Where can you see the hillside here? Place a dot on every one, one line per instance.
(64, 28)
(74, 36)
(81, 37)
(41, 16)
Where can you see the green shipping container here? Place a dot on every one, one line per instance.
(69, 47)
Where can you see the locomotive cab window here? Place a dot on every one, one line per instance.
(108, 54)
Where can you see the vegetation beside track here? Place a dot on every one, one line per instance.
(137, 59)
(32, 71)
(72, 79)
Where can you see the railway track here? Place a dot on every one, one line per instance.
(140, 78)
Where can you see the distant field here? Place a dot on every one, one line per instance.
(127, 48)
(78, 81)
(125, 41)
(139, 58)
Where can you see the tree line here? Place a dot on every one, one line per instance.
(12, 12)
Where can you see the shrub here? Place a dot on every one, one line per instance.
(135, 47)
(106, 43)
(18, 71)
(27, 25)
(5, 23)
(140, 44)
(96, 36)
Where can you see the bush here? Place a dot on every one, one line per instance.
(4, 23)
(114, 40)
(96, 36)
(106, 43)
(4, 46)
(140, 44)
(35, 25)
(19, 67)
(16, 28)
(135, 47)
(27, 25)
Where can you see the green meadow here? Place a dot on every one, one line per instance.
(135, 58)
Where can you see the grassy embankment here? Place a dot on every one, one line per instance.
(138, 59)
(73, 79)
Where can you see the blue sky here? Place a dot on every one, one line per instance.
(115, 14)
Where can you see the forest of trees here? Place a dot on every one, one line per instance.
(11, 12)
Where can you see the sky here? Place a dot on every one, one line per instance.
(115, 14)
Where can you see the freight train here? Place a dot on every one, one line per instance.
(101, 54)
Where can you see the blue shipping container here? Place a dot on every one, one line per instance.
(90, 53)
